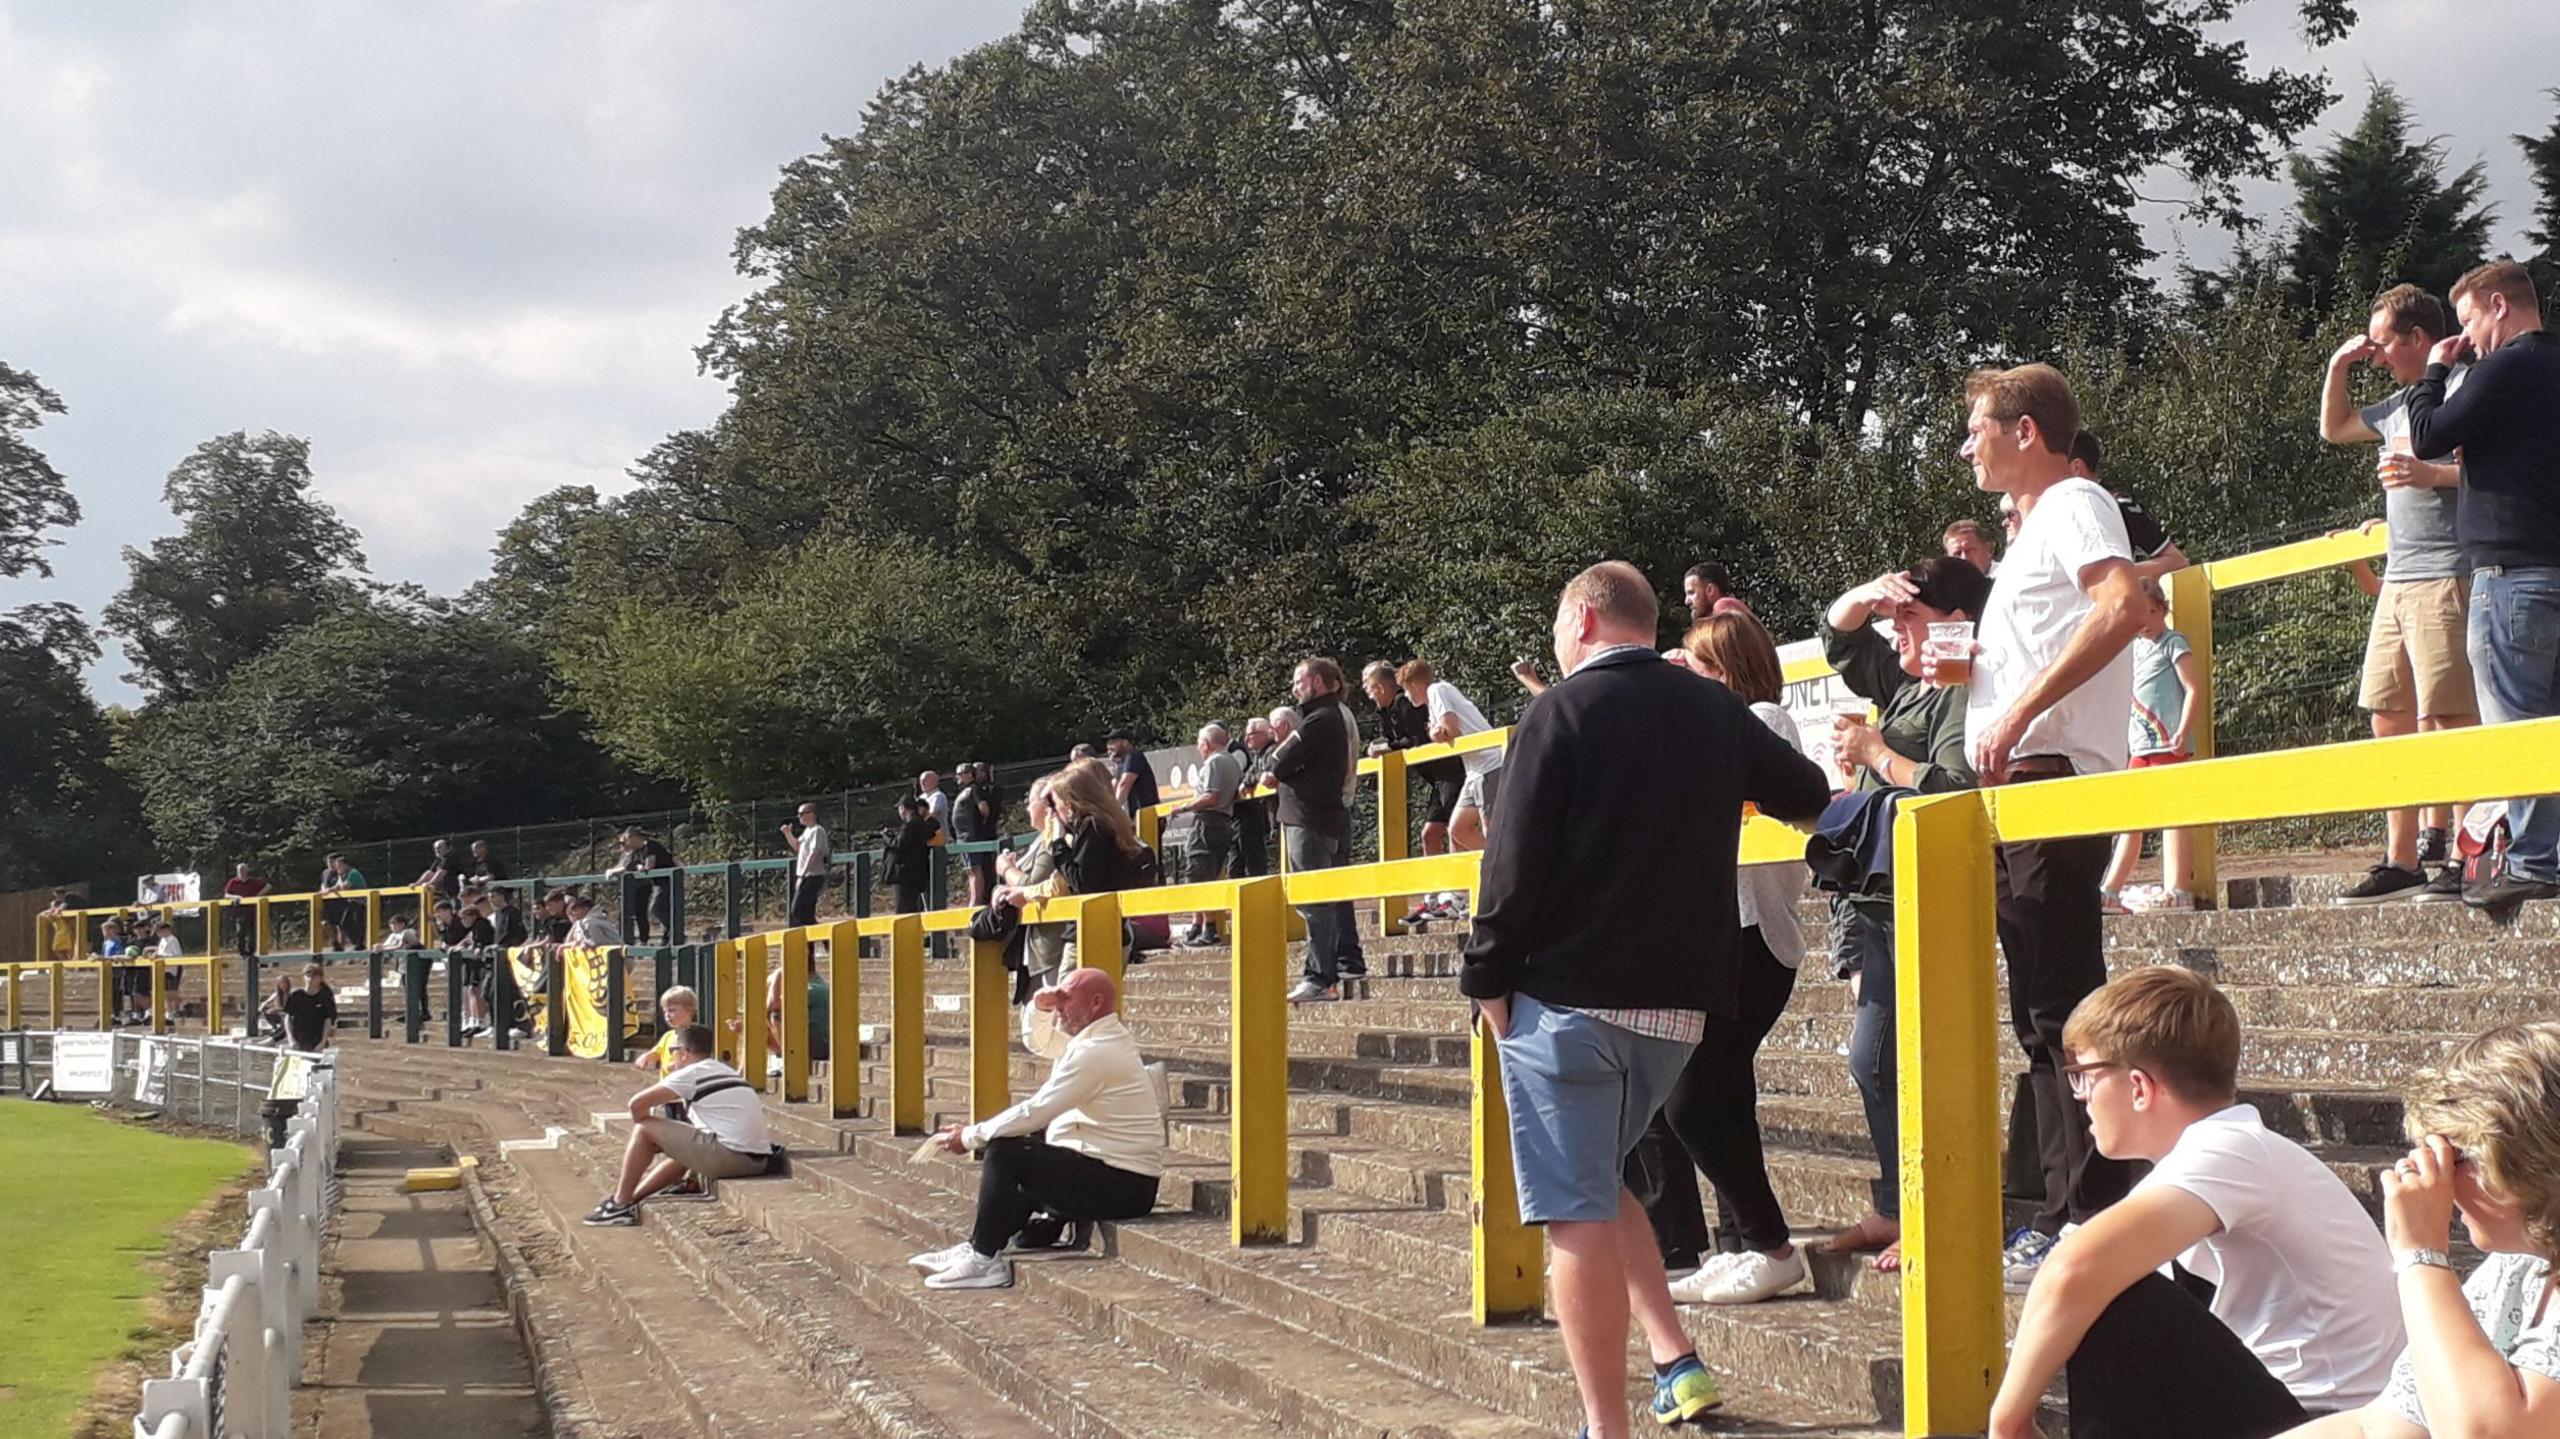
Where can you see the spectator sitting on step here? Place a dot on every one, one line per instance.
(2302, 1317)
(2483, 1356)
(591, 925)
(722, 1136)
(677, 1007)
(1088, 1146)
(273, 1010)
(311, 1012)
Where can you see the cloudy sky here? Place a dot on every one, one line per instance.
(468, 248)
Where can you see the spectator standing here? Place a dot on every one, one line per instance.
(936, 803)
(1317, 767)
(2168, 689)
(1044, 946)
(243, 885)
(910, 855)
(2051, 687)
(484, 869)
(399, 937)
(642, 853)
(1915, 743)
(311, 1012)
(1404, 723)
(1132, 777)
(1702, 586)
(977, 819)
(2416, 674)
(506, 921)
(2505, 421)
(2154, 554)
(441, 874)
(344, 918)
(1213, 825)
(810, 862)
(1711, 1122)
(2301, 1318)
(1254, 798)
(722, 1136)
(1596, 990)
(1450, 715)
(1968, 541)
(1087, 1146)
(2483, 1356)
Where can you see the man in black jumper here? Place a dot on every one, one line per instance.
(1596, 960)
(2505, 421)
(1316, 768)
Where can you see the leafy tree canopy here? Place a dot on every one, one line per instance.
(2377, 208)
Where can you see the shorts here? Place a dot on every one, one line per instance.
(698, 1152)
(1204, 855)
(2154, 761)
(984, 864)
(1445, 790)
(1480, 791)
(2414, 658)
(1581, 1092)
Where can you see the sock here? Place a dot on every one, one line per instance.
(1663, 1371)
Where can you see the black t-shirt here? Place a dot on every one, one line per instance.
(450, 932)
(654, 854)
(968, 825)
(1144, 794)
(2141, 530)
(307, 1016)
(507, 926)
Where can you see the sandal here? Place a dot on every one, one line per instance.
(1871, 1233)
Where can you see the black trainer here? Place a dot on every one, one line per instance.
(2507, 889)
(609, 1215)
(2444, 888)
(2384, 881)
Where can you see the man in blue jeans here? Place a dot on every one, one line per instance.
(1595, 960)
(1316, 769)
(2505, 422)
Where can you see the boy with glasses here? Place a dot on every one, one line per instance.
(2303, 1318)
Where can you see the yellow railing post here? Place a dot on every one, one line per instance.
(751, 972)
(106, 994)
(844, 1019)
(1258, 1062)
(266, 937)
(990, 1031)
(318, 926)
(906, 1025)
(213, 992)
(159, 995)
(1949, 1037)
(1151, 828)
(1098, 940)
(725, 968)
(795, 1016)
(54, 997)
(1509, 1257)
(16, 979)
(2191, 613)
(372, 918)
(1395, 830)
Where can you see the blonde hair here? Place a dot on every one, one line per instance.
(681, 994)
(2497, 1097)
(2171, 1024)
(1083, 791)
(2036, 392)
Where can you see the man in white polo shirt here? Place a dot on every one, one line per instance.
(2051, 686)
(2304, 1317)
(1088, 1146)
(722, 1136)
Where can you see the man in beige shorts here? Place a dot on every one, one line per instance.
(2417, 674)
(722, 1136)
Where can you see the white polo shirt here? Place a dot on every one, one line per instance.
(2034, 610)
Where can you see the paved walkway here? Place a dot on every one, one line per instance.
(413, 1339)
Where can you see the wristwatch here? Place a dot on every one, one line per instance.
(2404, 1260)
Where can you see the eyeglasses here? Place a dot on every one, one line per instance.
(2083, 1078)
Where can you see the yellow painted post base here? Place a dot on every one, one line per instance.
(1258, 1061)
(1949, 1037)
(1395, 826)
(2191, 614)
(726, 964)
(751, 1024)
(54, 998)
(1510, 1258)
(906, 1025)
(159, 996)
(990, 1031)
(795, 1016)
(1098, 939)
(15, 978)
(844, 1019)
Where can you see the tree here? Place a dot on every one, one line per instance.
(347, 729)
(527, 590)
(2542, 156)
(2376, 209)
(33, 498)
(256, 558)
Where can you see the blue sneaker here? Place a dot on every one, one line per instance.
(2025, 1254)
(1685, 1393)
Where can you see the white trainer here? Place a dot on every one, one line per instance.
(974, 1271)
(1307, 990)
(1691, 1288)
(934, 1261)
(1755, 1276)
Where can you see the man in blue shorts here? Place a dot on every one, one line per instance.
(1594, 984)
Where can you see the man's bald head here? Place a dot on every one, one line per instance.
(1084, 996)
(1610, 603)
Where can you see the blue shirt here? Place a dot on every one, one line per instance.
(2159, 696)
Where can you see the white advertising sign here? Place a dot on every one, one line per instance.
(84, 1064)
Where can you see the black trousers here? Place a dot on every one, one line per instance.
(805, 892)
(1027, 1173)
(1711, 1123)
(650, 914)
(909, 898)
(2158, 1363)
(1253, 840)
(2052, 934)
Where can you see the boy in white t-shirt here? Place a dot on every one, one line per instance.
(2303, 1319)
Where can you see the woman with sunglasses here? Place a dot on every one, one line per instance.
(2483, 1356)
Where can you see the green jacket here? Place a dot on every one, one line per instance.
(1921, 723)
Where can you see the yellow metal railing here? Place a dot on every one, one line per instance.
(67, 933)
(57, 975)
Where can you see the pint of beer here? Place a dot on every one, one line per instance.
(1949, 648)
